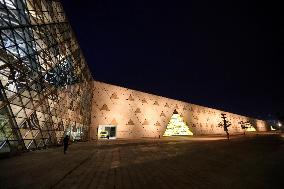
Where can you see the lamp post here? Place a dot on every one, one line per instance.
(280, 125)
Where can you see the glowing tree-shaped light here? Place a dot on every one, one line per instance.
(177, 126)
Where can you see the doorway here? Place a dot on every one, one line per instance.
(107, 132)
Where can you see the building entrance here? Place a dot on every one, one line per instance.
(107, 132)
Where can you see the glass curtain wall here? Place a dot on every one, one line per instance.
(45, 83)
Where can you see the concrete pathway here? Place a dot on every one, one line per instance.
(198, 162)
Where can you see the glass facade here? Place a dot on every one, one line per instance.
(45, 88)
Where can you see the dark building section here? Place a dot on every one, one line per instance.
(45, 82)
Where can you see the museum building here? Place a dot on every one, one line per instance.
(47, 90)
(126, 113)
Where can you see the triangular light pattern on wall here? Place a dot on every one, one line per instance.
(251, 129)
(157, 123)
(144, 100)
(162, 114)
(104, 107)
(156, 103)
(130, 122)
(130, 98)
(145, 122)
(137, 110)
(177, 126)
(114, 96)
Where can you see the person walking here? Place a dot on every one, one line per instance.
(65, 143)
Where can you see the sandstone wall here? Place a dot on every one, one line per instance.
(138, 114)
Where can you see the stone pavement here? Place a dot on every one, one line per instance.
(182, 162)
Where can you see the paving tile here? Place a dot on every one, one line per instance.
(136, 164)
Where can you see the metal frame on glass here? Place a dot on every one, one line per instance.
(45, 88)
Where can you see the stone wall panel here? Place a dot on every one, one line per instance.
(138, 114)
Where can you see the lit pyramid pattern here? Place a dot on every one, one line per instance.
(250, 129)
(177, 126)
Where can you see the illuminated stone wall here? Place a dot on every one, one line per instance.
(46, 89)
(139, 114)
(45, 83)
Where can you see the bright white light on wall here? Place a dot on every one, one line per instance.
(177, 126)
(250, 129)
(272, 129)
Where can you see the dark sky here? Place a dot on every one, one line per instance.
(221, 54)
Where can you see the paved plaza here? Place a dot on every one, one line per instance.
(252, 161)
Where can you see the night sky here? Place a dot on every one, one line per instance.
(219, 54)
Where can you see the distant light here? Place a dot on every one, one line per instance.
(272, 129)
(279, 124)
